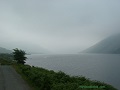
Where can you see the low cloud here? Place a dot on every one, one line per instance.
(59, 26)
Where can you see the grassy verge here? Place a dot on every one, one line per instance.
(43, 79)
(18, 70)
(6, 59)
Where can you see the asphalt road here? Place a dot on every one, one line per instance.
(11, 80)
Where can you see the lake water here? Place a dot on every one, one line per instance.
(101, 67)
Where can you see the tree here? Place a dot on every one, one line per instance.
(19, 56)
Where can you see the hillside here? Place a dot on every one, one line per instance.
(4, 50)
(110, 45)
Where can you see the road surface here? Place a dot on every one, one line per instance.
(11, 80)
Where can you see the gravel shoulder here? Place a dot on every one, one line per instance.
(11, 80)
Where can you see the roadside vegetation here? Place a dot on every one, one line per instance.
(6, 59)
(42, 79)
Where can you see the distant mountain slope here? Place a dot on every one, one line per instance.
(110, 45)
(4, 50)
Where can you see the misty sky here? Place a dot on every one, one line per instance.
(59, 26)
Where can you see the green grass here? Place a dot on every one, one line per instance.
(43, 79)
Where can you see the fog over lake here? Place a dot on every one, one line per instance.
(57, 26)
(102, 67)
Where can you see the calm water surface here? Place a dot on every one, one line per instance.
(102, 67)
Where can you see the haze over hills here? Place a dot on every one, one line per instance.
(110, 45)
(28, 49)
(4, 50)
